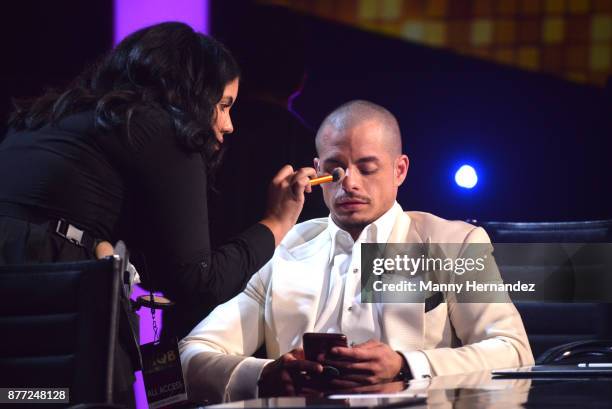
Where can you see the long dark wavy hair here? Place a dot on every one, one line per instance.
(167, 66)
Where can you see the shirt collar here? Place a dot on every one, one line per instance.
(378, 231)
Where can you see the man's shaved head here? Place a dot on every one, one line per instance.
(354, 113)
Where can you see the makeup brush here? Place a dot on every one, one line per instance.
(336, 175)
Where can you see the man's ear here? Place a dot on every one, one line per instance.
(401, 169)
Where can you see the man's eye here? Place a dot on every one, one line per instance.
(368, 171)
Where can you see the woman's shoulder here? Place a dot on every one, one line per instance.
(151, 116)
(145, 118)
(149, 125)
(75, 122)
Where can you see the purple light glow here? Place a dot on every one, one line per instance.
(131, 15)
(146, 321)
(146, 336)
(139, 391)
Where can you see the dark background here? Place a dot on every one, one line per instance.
(541, 145)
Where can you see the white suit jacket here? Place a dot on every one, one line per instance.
(280, 303)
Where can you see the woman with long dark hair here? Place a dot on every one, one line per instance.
(127, 152)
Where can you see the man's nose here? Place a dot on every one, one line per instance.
(350, 180)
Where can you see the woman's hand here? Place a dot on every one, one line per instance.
(104, 249)
(286, 199)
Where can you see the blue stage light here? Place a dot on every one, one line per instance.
(466, 177)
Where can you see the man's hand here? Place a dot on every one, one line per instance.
(369, 363)
(288, 376)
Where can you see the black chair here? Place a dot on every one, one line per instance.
(593, 351)
(58, 326)
(550, 324)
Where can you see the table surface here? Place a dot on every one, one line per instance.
(475, 390)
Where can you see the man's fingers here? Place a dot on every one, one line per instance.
(298, 353)
(358, 367)
(357, 354)
(360, 379)
(341, 383)
(286, 381)
(302, 365)
(288, 357)
(289, 390)
(286, 377)
(370, 343)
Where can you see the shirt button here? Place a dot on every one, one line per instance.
(350, 308)
(355, 270)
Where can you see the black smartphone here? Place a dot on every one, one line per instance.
(318, 345)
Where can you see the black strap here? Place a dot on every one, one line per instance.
(60, 227)
(74, 234)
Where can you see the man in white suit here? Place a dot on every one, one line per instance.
(312, 284)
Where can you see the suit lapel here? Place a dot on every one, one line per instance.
(296, 292)
(402, 323)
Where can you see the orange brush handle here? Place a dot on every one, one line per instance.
(322, 179)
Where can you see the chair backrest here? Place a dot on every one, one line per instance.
(58, 326)
(549, 324)
(594, 231)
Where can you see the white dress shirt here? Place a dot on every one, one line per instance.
(340, 309)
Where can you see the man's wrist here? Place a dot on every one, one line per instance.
(264, 372)
(404, 373)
